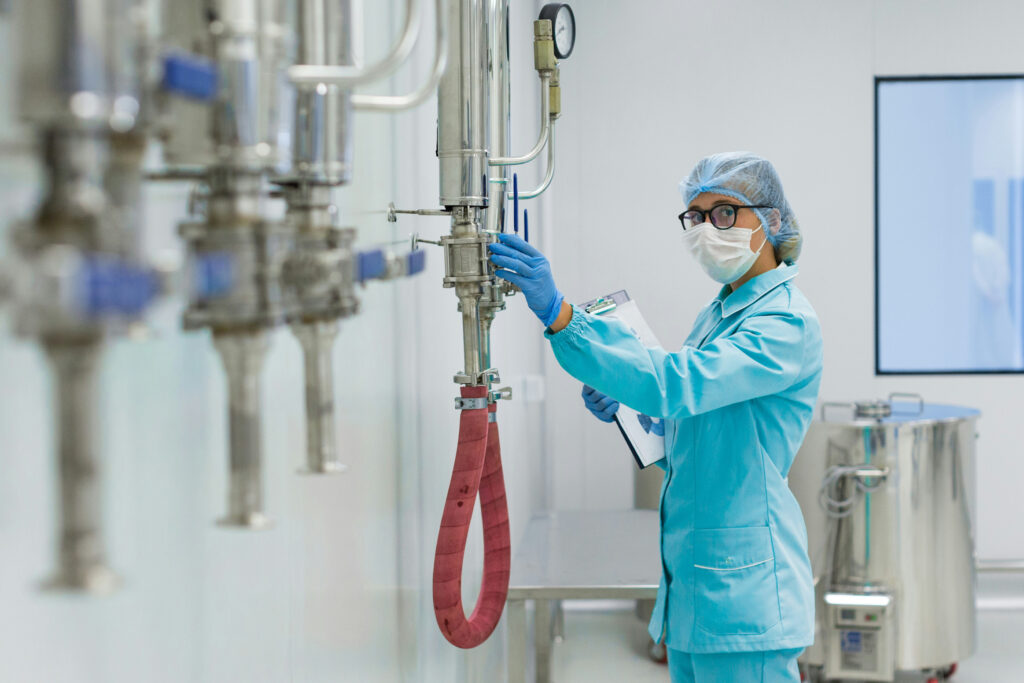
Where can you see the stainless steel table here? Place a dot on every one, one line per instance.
(577, 555)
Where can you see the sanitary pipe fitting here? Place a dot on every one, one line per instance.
(318, 276)
(467, 269)
(462, 109)
(544, 59)
(555, 90)
(249, 249)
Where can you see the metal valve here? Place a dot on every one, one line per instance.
(502, 394)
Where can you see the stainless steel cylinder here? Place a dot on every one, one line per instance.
(84, 61)
(322, 148)
(242, 354)
(462, 107)
(248, 125)
(317, 340)
(64, 70)
(81, 551)
(909, 537)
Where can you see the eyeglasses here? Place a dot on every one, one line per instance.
(722, 216)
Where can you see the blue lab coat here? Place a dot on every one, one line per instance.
(737, 401)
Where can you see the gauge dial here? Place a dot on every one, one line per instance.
(563, 25)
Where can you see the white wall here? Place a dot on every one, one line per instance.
(340, 588)
(792, 81)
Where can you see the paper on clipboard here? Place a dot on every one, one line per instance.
(647, 447)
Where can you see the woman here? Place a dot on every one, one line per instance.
(736, 601)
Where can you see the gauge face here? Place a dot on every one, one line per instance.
(565, 31)
(563, 25)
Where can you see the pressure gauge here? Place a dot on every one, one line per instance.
(563, 26)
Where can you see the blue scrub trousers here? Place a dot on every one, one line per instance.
(776, 666)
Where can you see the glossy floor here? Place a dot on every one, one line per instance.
(610, 645)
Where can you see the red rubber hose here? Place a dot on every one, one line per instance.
(477, 469)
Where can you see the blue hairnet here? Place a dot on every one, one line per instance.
(752, 180)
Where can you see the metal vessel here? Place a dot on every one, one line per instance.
(888, 492)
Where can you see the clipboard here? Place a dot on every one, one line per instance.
(646, 447)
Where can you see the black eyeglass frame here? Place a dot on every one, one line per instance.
(707, 214)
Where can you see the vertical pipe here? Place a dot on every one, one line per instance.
(499, 87)
(317, 340)
(80, 548)
(321, 158)
(471, 337)
(462, 108)
(242, 354)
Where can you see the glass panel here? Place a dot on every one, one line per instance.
(950, 221)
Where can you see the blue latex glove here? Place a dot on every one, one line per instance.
(526, 268)
(603, 407)
(650, 425)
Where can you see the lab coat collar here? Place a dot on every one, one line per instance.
(752, 290)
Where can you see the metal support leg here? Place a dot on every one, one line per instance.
(516, 614)
(542, 640)
(559, 632)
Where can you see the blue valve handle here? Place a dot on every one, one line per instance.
(190, 76)
(370, 265)
(416, 262)
(112, 287)
(373, 264)
(213, 274)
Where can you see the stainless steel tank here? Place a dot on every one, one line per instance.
(888, 492)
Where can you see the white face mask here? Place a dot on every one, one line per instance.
(724, 255)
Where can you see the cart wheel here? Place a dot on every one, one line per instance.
(658, 652)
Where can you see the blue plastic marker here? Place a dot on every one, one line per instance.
(515, 202)
(526, 225)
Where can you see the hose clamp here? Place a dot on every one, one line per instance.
(470, 403)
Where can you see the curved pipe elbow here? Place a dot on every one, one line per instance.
(350, 76)
(545, 125)
(549, 174)
(428, 89)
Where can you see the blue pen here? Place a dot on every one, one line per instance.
(526, 225)
(515, 202)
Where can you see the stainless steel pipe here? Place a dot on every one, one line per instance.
(81, 552)
(317, 340)
(350, 76)
(500, 94)
(545, 125)
(242, 354)
(549, 174)
(429, 87)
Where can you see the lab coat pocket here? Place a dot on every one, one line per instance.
(734, 581)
